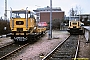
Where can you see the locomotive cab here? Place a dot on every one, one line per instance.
(21, 19)
(22, 22)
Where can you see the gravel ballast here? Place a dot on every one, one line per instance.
(5, 41)
(41, 48)
(84, 50)
(44, 46)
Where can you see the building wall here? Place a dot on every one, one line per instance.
(45, 16)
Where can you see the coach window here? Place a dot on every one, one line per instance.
(17, 15)
(22, 15)
(13, 15)
(31, 15)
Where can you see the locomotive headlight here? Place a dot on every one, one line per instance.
(82, 23)
(34, 27)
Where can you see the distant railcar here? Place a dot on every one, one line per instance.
(74, 25)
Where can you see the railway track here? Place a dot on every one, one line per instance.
(67, 50)
(9, 49)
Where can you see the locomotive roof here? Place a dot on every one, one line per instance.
(20, 11)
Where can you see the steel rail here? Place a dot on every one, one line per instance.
(76, 54)
(54, 49)
(13, 51)
(6, 45)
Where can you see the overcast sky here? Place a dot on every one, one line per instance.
(65, 5)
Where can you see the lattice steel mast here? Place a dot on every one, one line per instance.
(5, 14)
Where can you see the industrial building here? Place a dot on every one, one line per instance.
(43, 14)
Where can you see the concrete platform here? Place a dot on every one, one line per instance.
(86, 31)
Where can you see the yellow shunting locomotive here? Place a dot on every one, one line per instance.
(23, 25)
(75, 25)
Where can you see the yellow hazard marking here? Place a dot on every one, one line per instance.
(80, 58)
(41, 56)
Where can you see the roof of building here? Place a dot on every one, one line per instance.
(48, 9)
(84, 15)
(20, 11)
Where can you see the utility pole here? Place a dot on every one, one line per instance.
(50, 31)
(5, 14)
